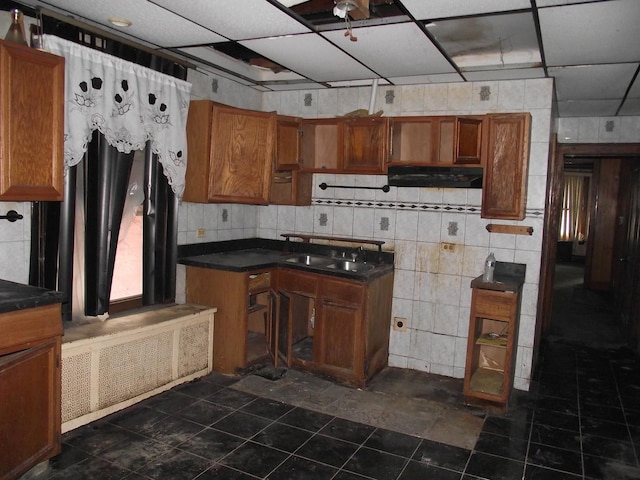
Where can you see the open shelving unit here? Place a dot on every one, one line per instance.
(491, 347)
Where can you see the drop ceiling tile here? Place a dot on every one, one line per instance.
(384, 49)
(592, 81)
(150, 22)
(490, 42)
(310, 55)
(588, 108)
(506, 74)
(631, 106)
(598, 32)
(239, 19)
(424, 10)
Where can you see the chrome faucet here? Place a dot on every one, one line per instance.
(356, 254)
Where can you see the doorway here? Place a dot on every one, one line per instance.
(580, 301)
(581, 313)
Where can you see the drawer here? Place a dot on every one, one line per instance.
(294, 282)
(495, 304)
(259, 281)
(344, 291)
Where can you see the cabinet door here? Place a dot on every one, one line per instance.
(29, 408)
(196, 183)
(288, 143)
(468, 141)
(31, 124)
(365, 145)
(506, 150)
(338, 326)
(242, 149)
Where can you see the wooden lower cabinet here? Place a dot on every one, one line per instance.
(491, 347)
(244, 323)
(327, 325)
(30, 415)
(335, 327)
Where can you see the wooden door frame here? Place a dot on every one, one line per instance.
(559, 153)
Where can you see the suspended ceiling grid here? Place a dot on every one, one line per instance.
(590, 48)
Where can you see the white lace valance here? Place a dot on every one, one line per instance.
(129, 104)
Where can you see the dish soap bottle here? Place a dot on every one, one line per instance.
(489, 267)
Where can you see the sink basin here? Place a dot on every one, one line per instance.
(311, 260)
(349, 266)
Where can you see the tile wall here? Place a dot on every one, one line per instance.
(599, 130)
(431, 288)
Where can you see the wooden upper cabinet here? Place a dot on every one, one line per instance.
(506, 158)
(321, 144)
(438, 141)
(365, 145)
(231, 154)
(31, 124)
(288, 153)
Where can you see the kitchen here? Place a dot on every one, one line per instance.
(431, 288)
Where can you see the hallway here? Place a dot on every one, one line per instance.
(580, 420)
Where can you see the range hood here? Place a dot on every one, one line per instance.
(444, 177)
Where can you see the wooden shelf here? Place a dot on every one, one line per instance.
(488, 381)
(493, 340)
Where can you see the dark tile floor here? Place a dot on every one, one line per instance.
(580, 420)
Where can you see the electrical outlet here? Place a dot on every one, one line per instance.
(201, 233)
(449, 247)
(400, 324)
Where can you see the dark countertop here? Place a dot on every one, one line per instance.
(16, 296)
(507, 277)
(254, 254)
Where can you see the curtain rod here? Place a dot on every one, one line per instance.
(115, 38)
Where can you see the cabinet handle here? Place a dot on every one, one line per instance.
(391, 141)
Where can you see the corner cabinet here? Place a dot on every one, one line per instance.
(30, 415)
(506, 159)
(491, 347)
(31, 124)
(231, 154)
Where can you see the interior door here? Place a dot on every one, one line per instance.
(599, 262)
(627, 279)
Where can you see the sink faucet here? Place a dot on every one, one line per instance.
(356, 254)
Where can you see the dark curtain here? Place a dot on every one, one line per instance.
(106, 183)
(107, 176)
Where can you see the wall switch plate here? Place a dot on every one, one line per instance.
(399, 324)
(201, 233)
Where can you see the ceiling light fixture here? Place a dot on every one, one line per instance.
(119, 22)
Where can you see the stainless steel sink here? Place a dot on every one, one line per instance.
(349, 266)
(310, 260)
